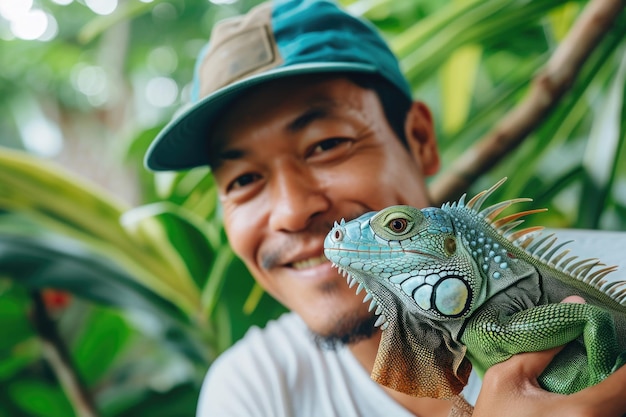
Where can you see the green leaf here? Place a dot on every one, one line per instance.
(458, 76)
(19, 358)
(180, 401)
(178, 235)
(39, 399)
(18, 346)
(16, 327)
(562, 18)
(49, 194)
(601, 159)
(104, 335)
(54, 262)
(480, 22)
(235, 293)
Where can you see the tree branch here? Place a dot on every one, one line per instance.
(547, 88)
(58, 357)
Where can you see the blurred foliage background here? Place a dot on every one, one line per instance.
(117, 287)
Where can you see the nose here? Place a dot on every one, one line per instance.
(297, 197)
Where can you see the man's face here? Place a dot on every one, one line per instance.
(292, 158)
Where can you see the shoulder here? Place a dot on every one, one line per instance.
(279, 344)
(259, 372)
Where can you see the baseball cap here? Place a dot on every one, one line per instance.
(273, 40)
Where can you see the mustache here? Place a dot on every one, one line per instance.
(273, 256)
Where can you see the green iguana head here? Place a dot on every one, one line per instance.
(415, 254)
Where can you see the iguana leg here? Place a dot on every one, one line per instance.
(492, 337)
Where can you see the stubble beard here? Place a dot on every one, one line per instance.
(347, 328)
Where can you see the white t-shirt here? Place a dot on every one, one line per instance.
(279, 371)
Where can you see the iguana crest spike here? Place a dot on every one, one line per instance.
(480, 198)
(462, 286)
(532, 242)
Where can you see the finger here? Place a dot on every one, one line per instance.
(521, 371)
(574, 299)
(532, 364)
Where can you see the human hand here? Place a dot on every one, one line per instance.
(511, 389)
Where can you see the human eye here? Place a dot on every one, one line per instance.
(242, 181)
(328, 145)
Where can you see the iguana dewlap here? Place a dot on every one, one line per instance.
(458, 287)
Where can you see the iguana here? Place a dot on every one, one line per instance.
(457, 286)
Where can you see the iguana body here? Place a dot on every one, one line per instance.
(456, 287)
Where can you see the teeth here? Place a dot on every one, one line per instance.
(381, 320)
(384, 326)
(311, 262)
(367, 297)
(372, 305)
(352, 282)
(379, 310)
(359, 288)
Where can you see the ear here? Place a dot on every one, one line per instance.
(420, 134)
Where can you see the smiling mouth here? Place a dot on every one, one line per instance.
(309, 263)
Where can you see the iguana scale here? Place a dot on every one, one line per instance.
(458, 286)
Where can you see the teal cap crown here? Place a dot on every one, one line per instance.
(274, 40)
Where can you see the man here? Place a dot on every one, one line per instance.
(305, 118)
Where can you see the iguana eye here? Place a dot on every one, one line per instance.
(398, 225)
(397, 222)
(450, 245)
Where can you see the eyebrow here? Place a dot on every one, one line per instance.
(321, 109)
(230, 154)
(318, 111)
